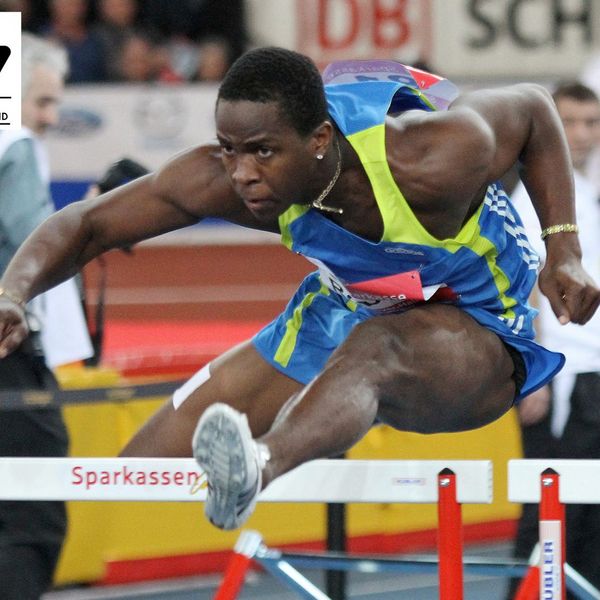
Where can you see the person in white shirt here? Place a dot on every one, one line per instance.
(563, 420)
(32, 533)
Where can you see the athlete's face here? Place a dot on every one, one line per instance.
(268, 162)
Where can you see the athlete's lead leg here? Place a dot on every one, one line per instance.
(429, 370)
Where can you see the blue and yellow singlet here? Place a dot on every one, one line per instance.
(488, 269)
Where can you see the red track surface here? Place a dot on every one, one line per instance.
(171, 309)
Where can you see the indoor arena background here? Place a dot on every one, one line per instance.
(171, 304)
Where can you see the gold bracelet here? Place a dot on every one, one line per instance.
(562, 228)
(13, 299)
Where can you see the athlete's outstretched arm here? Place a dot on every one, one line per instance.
(525, 126)
(190, 187)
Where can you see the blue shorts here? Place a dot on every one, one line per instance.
(316, 321)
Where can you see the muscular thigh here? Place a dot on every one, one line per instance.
(240, 378)
(436, 369)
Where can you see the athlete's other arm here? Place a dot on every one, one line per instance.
(190, 187)
(485, 133)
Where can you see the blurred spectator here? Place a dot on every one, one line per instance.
(68, 25)
(590, 76)
(196, 20)
(137, 62)
(32, 533)
(115, 23)
(214, 58)
(187, 40)
(143, 60)
(563, 421)
(22, 6)
(182, 58)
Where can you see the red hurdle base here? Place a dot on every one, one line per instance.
(235, 574)
(529, 588)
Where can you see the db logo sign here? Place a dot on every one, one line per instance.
(4, 54)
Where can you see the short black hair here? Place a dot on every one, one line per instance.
(574, 90)
(272, 74)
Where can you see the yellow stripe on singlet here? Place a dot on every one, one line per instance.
(401, 224)
(399, 221)
(287, 218)
(485, 248)
(292, 327)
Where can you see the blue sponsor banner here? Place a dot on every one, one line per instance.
(65, 192)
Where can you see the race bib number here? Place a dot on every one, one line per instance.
(384, 295)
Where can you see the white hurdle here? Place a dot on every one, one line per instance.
(552, 484)
(579, 480)
(445, 483)
(171, 479)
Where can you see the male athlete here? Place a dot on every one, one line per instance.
(417, 313)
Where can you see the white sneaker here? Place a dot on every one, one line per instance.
(233, 463)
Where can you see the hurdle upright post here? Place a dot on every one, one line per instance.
(235, 574)
(450, 541)
(552, 538)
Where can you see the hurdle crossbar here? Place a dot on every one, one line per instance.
(172, 479)
(578, 480)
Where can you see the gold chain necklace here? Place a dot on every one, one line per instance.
(318, 203)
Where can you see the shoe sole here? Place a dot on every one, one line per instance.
(220, 448)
